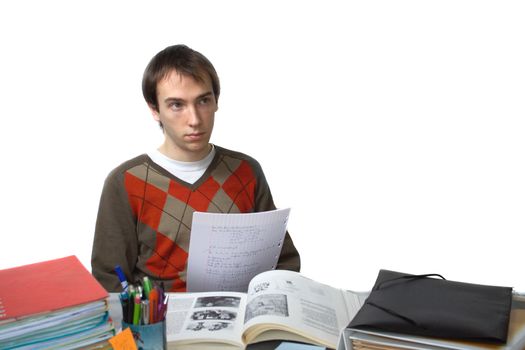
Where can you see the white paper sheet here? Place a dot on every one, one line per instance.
(227, 250)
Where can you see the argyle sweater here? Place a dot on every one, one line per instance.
(145, 215)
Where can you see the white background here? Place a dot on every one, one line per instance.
(393, 129)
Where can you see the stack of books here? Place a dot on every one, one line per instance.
(55, 304)
(359, 339)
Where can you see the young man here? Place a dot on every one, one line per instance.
(147, 203)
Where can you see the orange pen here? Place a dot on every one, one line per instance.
(153, 301)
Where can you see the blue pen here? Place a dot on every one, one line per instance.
(122, 278)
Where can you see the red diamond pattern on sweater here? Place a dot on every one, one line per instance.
(244, 177)
(176, 258)
(179, 191)
(146, 200)
(201, 198)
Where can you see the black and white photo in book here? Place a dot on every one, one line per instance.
(269, 304)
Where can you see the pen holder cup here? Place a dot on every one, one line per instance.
(148, 337)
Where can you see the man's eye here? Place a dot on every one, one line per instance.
(204, 100)
(175, 105)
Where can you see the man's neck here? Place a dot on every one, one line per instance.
(182, 156)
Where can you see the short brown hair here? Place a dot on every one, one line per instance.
(185, 61)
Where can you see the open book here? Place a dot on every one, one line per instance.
(280, 304)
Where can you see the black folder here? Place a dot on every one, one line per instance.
(429, 305)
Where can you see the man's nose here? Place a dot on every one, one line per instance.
(194, 117)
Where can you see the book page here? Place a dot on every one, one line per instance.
(205, 317)
(227, 250)
(289, 301)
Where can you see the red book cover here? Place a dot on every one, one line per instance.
(46, 286)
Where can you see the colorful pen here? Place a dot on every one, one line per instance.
(122, 278)
(145, 312)
(147, 286)
(159, 303)
(124, 301)
(131, 303)
(163, 308)
(153, 302)
(136, 310)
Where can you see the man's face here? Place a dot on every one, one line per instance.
(186, 110)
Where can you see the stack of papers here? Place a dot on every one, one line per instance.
(54, 304)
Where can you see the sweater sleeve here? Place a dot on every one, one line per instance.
(289, 258)
(115, 240)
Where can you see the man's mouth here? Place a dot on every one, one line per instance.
(195, 135)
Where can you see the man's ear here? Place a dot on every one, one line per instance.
(154, 112)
